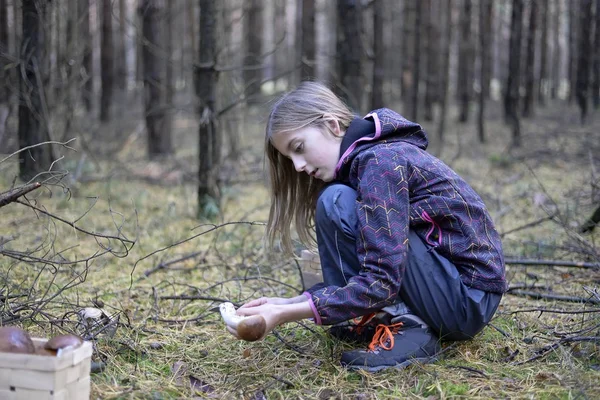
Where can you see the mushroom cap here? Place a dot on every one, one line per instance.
(252, 328)
(62, 341)
(15, 340)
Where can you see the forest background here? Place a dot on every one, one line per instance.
(132, 182)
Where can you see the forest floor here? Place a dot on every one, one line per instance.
(166, 339)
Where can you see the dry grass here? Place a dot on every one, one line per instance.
(173, 348)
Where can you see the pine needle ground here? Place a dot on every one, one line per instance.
(170, 342)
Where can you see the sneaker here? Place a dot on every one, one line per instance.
(406, 341)
(359, 331)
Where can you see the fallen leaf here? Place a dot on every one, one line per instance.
(198, 385)
(179, 371)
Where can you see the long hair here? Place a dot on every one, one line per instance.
(294, 194)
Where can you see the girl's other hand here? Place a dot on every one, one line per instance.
(266, 300)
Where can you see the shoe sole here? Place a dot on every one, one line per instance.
(402, 365)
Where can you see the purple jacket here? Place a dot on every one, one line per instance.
(400, 185)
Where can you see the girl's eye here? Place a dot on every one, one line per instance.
(299, 148)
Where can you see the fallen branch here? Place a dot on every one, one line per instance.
(549, 296)
(547, 349)
(553, 263)
(12, 195)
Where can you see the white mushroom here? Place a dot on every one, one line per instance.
(249, 328)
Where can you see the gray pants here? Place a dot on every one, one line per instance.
(431, 287)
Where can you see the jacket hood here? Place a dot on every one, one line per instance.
(378, 125)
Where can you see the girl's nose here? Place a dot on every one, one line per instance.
(299, 164)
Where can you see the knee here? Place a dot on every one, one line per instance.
(336, 207)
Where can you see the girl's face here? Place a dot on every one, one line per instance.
(312, 150)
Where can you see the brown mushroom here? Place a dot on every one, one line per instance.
(15, 340)
(63, 341)
(41, 351)
(252, 328)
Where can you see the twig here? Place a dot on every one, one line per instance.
(548, 296)
(549, 310)
(14, 194)
(470, 369)
(529, 225)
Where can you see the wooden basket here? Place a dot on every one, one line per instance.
(37, 377)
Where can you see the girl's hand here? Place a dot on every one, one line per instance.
(269, 311)
(266, 300)
(294, 309)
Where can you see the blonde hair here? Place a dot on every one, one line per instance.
(294, 194)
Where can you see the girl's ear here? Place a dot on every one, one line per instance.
(333, 124)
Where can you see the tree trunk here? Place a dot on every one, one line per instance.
(87, 91)
(511, 97)
(379, 51)
(106, 62)
(445, 72)
(530, 61)
(169, 62)
(157, 125)
(122, 46)
(556, 51)
(485, 34)
(33, 122)
(407, 48)
(432, 51)
(349, 50)
(583, 66)
(543, 80)
(465, 61)
(253, 37)
(209, 194)
(416, 70)
(596, 64)
(308, 40)
(573, 46)
(4, 74)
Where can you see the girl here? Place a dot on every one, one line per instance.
(403, 240)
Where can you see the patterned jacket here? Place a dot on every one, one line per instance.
(400, 185)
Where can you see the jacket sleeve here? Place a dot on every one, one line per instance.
(383, 217)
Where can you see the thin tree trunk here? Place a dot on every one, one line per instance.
(169, 63)
(308, 40)
(378, 50)
(157, 125)
(253, 37)
(414, 110)
(4, 74)
(349, 50)
(106, 62)
(511, 98)
(583, 66)
(122, 46)
(87, 91)
(530, 61)
(209, 194)
(445, 72)
(573, 46)
(465, 61)
(407, 44)
(33, 122)
(556, 52)
(485, 33)
(543, 80)
(596, 64)
(432, 50)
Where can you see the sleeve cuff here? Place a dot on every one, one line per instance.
(313, 308)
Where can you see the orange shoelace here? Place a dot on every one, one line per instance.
(360, 324)
(384, 336)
